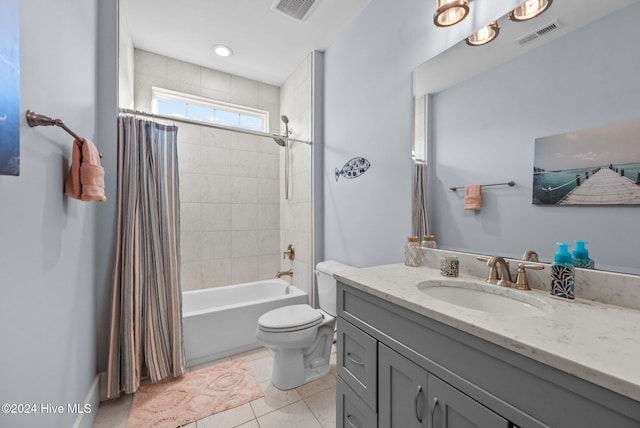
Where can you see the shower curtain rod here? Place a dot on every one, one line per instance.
(210, 125)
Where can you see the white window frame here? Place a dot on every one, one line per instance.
(169, 95)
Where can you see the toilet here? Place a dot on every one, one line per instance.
(300, 336)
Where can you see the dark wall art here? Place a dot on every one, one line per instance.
(354, 168)
(10, 88)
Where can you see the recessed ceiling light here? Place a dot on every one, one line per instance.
(529, 9)
(484, 35)
(222, 50)
(450, 12)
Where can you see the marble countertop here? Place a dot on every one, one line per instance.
(597, 342)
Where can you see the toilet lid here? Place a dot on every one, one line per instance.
(289, 318)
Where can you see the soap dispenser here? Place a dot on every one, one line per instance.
(562, 272)
(581, 256)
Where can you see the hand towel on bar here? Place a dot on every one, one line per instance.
(72, 183)
(85, 180)
(91, 174)
(473, 197)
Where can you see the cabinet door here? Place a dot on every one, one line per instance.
(351, 411)
(450, 408)
(402, 391)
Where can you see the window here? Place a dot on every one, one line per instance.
(171, 103)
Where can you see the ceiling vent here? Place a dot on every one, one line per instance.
(547, 29)
(296, 9)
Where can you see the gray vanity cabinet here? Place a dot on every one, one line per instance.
(399, 369)
(402, 391)
(450, 408)
(410, 397)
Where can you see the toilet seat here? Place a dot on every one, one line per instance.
(290, 318)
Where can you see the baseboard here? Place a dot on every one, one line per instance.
(92, 402)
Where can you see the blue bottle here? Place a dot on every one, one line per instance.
(562, 272)
(581, 256)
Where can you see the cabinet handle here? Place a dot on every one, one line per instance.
(353, 360)
(433, 410)
(349, 421)
(415, 403)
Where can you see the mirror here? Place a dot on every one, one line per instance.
(486, 107)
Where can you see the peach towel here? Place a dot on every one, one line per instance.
(85, 180)
(473, 197)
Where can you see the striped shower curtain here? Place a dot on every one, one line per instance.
(419, 218)
(146, 309)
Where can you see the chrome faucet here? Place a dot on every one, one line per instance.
(494, 263)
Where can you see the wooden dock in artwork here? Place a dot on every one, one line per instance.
(605, 187)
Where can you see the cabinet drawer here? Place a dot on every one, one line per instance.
(357, 361)
(351, 411)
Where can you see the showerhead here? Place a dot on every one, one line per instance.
(279, 141)
(284, 119)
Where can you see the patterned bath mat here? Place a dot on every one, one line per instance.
(194, 396)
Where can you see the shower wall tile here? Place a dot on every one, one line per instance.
(192, 187)
(216, 80)
(189, 157)
(244, 142)
(229, 182)
(190, 217)
(244, 269)
(215, 217)
(191, 276)
(244, 164)
(268, 191)
(244, 190)
(189, 134)
(183, 73)
(269, 166)
(244, 243)
(217, 189)
(269, 217)
(268, 241)
(216, 273)
(191, 246)
(268, 266)
(244, 217)
(215, 137)
(214, 160)
(150, 63)
(216, 245)
(244, 91)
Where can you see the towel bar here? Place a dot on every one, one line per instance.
(508, 183)
(35, 119)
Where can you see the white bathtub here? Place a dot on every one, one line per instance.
(222, 321)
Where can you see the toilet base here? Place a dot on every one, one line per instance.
(289, 371)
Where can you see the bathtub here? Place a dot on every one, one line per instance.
(218, 322)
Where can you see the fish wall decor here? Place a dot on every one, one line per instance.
(354, 168)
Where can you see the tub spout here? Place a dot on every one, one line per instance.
(282, 273)
(288, 273)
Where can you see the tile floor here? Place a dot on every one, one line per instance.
(310, 406)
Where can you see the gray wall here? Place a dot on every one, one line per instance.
(47, 246)
(368, 112)
(485, 130)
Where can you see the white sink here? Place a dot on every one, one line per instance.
(485, 297)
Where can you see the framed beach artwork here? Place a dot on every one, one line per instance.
(596, 166)
(10, 88)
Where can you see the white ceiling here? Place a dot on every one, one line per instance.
(267, 45)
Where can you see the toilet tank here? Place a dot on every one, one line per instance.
(327, 292)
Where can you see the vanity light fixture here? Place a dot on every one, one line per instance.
(450, 12)
(529, 9)
(222, 50)
(484, 35)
